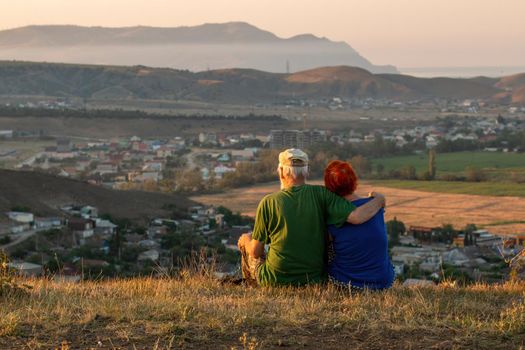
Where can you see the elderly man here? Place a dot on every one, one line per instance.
(293, 222)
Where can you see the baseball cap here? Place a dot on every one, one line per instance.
(293, 157)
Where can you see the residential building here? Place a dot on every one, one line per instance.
(26, 269)
(83, 228)
(282, 139)
(64, 146)
(6, 134)
(21, 217)
(47, 223)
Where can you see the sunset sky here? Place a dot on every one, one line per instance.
(405, 33)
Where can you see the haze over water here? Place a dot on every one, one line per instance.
(461, 72)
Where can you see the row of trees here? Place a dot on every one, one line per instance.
(126, 114)
(446, 233)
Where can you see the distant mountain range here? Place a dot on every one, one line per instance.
(213, 46)
(245, 86)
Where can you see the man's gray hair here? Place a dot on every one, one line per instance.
(294, 171)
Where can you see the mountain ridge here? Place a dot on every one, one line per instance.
(220, 45)
(243, 86)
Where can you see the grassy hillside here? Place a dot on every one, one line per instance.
(444, 87)
(199, 313)
(44, 194)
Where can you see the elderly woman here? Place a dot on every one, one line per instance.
(359, 258)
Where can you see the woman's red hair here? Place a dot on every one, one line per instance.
(340, 178)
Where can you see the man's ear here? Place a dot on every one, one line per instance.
(280, 172)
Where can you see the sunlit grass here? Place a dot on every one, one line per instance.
(199, 312)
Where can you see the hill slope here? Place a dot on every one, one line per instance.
(44, 194)
(514, 85)
(238, 86)
(225, 45)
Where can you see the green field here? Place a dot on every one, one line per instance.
(477, 188)
(457, 161)
(497, 165)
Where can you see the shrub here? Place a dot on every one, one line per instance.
(8, 283)
(408, 173)
(473, 174)
(426, 176)
(452, 177)
(21, 208)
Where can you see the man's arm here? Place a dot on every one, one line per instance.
(253, 247)
(368, 210)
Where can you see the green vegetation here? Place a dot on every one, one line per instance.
(126, 114)
(394, 228)
(21, 208)
(460, 187)
(496, 165)
(9, 285)
(197, 312)
(234, 218)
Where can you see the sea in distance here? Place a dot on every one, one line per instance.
(462, 72)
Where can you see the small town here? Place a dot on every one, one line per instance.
(160, 163)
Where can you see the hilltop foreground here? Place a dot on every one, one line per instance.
(200, 313)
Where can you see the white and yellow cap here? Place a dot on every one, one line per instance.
(293, 157)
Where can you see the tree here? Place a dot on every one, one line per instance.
(361, 165)
(149, 186)
(432, 163)
(212, 180)
(409, 172)
(233, 218)
(473, 174)
(469, 234)
(21, 208)
(190, 181)
(447, 233)
(394, 228)
(380, 169)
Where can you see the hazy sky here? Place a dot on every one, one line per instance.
(405, 33)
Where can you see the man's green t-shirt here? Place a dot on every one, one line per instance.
(293, 222)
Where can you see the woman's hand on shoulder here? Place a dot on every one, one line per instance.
(379, 196)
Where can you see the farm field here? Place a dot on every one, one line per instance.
(506, 189)
(502, 215)
(496, 164)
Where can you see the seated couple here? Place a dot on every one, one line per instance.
(294, 222)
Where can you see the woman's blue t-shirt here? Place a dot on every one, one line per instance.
(361, 253)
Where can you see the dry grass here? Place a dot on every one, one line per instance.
(200, 313)
(502, 214)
